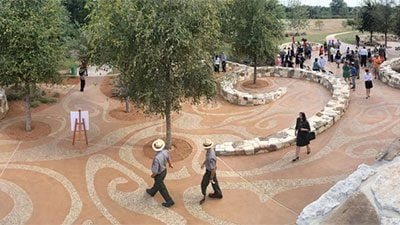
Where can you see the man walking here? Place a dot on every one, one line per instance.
(210, 175)
(159, 171)
(364, 55)
(82, 73)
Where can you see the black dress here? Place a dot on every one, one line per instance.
(301, 138)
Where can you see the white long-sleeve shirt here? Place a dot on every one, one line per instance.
(322, 62)
(367, 76)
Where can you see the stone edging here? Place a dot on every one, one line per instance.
(388, 75)
(3, 104)
(317, 210)
(319, 122)
(234, 96)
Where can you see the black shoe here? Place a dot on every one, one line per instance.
(202, 200)
(149, 192)
(168, 204)
(215, 195)
(295, 159)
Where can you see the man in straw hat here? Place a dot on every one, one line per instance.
(210, 175)
(159, 171)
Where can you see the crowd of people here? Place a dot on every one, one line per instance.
(351, 61)
(289, 57)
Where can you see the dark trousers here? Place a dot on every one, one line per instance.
(160, 186)
(216, 68)
(83, 83)
(223, 66)
(206, 180)
(364, 60)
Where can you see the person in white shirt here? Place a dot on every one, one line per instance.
(368, 82)
(363, 53)
(322, 63)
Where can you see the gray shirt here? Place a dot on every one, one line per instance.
(160, 162)
(211, 159)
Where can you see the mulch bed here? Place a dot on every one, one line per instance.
(120, 114)
(17, 131)
(180, 149)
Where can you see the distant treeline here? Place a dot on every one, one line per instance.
(320, 12)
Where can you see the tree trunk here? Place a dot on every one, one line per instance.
(386, 39)
(127, 105)
(370, 37)
(168, 126)
(255, 71)
(28, 116)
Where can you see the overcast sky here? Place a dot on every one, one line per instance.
(325, 2)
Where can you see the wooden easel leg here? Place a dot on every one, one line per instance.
(73, 137)
(84, 130)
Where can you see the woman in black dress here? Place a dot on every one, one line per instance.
(301, 131)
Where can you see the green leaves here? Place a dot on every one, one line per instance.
(31, 42)
(257, 29)
(159, 46)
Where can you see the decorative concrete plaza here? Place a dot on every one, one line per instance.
(46, 180)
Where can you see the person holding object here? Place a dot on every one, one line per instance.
(301, 131)
(210, 175)
(159, 172)
(368, 82)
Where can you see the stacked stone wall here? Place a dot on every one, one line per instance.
(319, 122)
(388, 75)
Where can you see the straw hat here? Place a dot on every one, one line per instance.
(158, 145)
(207, 144)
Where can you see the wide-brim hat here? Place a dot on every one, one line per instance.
(207, 144)
(158, 145)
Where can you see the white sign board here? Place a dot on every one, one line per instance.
(84, 116)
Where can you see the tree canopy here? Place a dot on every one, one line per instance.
(163, 47)
(77, 11)
(297, 15)
(257, 30)
(366, 18)
(31, 43)
(338, 7)
(396, 21)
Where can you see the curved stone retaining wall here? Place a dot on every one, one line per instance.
(234, 96)
(388, 75)
(3, 104)
(319, 122)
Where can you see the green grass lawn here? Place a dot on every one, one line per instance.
(349, 38)
(319, 38)
(318, 34)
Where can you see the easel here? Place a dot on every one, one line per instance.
(79, 123)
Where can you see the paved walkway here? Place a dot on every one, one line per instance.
(49, 181)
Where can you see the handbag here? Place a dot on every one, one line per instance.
(311, 135)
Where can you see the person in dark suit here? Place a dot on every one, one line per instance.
(301, 131)
(82, 73)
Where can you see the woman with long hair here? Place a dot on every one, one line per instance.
(301, 131)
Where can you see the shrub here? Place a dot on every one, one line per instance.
(47, 100)
(56, 95)
(35, 103)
